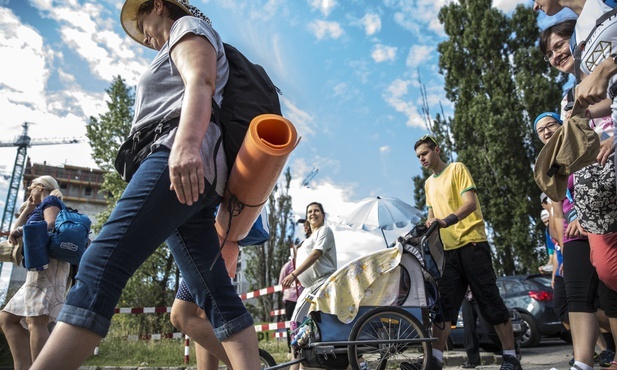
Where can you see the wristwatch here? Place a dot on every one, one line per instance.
(614, 57)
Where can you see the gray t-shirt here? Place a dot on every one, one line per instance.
(160, 92)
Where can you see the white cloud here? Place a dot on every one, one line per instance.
(396, 95)
(324, 6)
(322, 29)
(507, 6)
(23, 49)
(371, 23)
(350, 243)
(302, 120)
(418, 54)
(417, 16)
(385, 149)
(383, 53)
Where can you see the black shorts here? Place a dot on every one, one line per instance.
(560, 301)
(608, 300)
(470, 265)
(580, 276)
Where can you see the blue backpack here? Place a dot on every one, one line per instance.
(69, 239)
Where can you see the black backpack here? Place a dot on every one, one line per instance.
(249, 92)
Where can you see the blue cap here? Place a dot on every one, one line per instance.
(547, 114)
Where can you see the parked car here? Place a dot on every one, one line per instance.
(487, 336)
(532, 297)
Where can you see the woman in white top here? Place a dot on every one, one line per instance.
(316, 260)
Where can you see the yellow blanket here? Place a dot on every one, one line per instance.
(371, 280)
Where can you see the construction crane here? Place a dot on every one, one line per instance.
(22, 143)
(309, 177)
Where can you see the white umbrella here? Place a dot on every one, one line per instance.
(384, 213)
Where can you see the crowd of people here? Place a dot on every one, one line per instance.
(174, 193)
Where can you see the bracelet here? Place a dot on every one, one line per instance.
(292, 274)
(451, 220)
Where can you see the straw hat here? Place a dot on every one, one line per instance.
(128, 16)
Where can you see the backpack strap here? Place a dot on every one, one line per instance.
(578, 49)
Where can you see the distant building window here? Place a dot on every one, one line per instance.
(88, 191)
(63, 185)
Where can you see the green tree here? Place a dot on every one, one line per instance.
(152, 283)
(439, 129)
(264, 262)
(492, 72)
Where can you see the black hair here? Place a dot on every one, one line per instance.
(562, 29)
(428, 140)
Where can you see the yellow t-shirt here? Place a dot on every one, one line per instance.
(444, 195)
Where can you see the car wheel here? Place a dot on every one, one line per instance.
(532, 336)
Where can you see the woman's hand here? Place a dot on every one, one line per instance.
(288, 281)
(593, 88)
(575, 230)
(606, 149)
(186, 172)
(15, 235)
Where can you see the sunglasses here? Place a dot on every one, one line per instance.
(429, 137)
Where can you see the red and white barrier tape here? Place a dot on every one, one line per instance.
(142, 310)
(244, 296)
(155, 336)
(260, 292)
(187, 348)
(273, 326)
(277, 312)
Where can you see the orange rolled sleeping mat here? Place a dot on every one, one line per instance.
(263, 154)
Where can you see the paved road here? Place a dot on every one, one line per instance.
(550, 354)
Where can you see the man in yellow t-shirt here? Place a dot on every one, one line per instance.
(452, 202)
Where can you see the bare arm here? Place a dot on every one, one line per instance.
(50, 214)
(469, 205)
(558, 222)
(308, 262)
(195, 59)
(592, 89)
(17, 233)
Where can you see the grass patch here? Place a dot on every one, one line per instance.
(162, 353)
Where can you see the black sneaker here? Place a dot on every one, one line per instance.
(510, 363)
(605, 358)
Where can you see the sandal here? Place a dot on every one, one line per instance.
(469, 365)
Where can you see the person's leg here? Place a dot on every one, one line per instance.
(195, 246)
(18, 339)
(39, 333)
(479, 273)
(452, 287)
(192, 321)
(581, 282)
(608, 303)
(470, 337)
(290, 306)
(144, 217)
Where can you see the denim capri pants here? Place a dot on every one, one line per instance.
(148, 214)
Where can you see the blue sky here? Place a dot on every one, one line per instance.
(349, 72)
